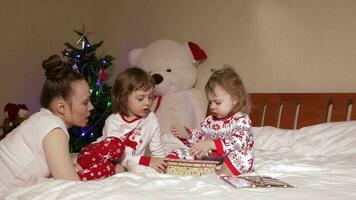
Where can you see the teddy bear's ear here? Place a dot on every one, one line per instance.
(134, 56)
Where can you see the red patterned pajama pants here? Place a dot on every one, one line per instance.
(97, 159)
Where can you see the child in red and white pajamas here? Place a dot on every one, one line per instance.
(127, 132)
(231, 137)
(133, 122)
(136, 134)
(226, 133)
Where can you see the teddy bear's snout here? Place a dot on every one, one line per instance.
(158, 78)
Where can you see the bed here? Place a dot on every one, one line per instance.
(306, 140)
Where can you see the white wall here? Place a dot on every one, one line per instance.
(30, 31)
(275, 45)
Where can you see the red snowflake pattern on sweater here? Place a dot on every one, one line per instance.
(233, 140)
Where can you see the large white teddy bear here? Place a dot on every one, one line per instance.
(174, 68)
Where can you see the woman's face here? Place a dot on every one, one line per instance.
(78, 107)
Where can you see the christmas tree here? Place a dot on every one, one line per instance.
(95, 70)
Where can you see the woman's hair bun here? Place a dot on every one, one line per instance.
(55, 68)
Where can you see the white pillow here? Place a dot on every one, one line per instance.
(269, 138)
(323, 139)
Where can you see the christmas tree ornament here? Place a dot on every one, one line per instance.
(65, 53)
(86, 56)
(103, 75)
(75, 68)
(83, 40)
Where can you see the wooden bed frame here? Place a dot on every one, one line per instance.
(296, 110)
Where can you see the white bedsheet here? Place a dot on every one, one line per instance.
(320, 161)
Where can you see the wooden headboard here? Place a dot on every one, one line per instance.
(296, 110)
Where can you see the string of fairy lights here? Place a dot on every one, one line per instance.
(95, 70)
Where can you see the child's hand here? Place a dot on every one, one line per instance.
(201, 148)
(180, 134)
(174, 130)
(158, 164)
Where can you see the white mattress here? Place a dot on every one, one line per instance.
(318, 160)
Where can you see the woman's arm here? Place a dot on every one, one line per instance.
(56, 149)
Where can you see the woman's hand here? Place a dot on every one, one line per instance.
(201, 148)
(158, 164)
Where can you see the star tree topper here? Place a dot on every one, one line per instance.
(83, 38)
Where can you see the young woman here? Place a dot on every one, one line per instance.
(39, 147)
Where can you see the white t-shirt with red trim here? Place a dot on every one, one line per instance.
(137, 135)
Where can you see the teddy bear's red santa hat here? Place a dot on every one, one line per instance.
(198, 53)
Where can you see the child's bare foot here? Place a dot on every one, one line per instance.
(119, 169)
